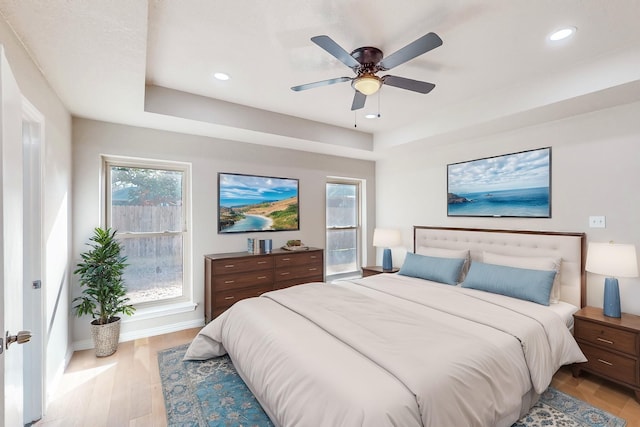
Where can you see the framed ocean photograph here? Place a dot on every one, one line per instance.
(511, 185)
(249, 203)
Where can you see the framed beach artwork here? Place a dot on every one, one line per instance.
(249, 203)
(511, 185)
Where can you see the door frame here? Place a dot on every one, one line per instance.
(34, 366)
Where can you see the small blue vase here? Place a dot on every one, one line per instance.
(611, 306)
(387, 264)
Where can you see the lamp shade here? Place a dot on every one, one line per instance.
(612, 259)
(386, 238)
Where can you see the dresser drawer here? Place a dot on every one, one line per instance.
(609, 364)
(225, 299)
(284, 283)
(230, 266)
(243, 280)
(312, 270)
(298, 258)
(605, 336)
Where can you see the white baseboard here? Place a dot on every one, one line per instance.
(144, 333)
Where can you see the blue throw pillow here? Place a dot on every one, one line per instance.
(443, 270)
(521, 283)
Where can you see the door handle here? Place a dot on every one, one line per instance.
(21, 338)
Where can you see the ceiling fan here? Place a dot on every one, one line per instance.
(367, 61)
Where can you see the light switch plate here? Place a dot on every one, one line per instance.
(597, 222)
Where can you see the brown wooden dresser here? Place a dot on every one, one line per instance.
(231, 277)
(611, 345)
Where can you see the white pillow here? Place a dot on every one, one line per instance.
(448, 253)
(531, 263)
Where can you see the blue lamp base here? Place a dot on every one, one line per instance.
(387, 263)
(611, 306)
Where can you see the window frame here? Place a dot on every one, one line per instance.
(359, 184)
(108, 162)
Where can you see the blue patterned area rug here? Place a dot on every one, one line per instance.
(211, 393)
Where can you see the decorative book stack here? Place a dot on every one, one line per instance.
(259, 246)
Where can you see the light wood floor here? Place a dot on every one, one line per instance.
(117, 391)
(600, 393)
(124, 389)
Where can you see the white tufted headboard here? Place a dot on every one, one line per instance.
(569, 246)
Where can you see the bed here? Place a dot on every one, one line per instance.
(468, 348)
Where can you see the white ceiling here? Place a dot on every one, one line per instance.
(496, 69)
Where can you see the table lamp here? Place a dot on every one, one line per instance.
(612, 260)
(386, 238)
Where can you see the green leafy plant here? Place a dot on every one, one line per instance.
(104, 294)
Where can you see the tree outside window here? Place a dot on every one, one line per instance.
(146, 205)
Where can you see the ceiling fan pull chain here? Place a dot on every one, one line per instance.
(379, 95)
(355, 119)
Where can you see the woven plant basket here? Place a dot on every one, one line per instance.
(106, 337)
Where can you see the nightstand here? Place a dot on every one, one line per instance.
(611, 345)
(376, 269)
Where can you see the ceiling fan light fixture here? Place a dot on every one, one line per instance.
(367, 84)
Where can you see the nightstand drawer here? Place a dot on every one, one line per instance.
(605, 336)
(609, 364)
(376, 269)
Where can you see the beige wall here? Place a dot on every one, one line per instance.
(207, 156)
(595, 171)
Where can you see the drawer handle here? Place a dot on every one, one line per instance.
(286, 259)
(262, 277)
(313, 257)
(229, 298)
(313, 269)
(285, 273)
(604, 341)
(229, 281)
(229, 266)
(262, 262)
(605, 362)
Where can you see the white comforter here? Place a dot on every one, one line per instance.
(389, 350)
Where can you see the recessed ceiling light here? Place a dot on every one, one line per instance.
(562, 33)
(221, 76)
(371, 116)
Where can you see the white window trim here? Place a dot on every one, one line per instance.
(360, 185)
(185, 302)
(157, 310)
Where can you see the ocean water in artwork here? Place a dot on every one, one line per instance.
(251, 223)
(524, 202)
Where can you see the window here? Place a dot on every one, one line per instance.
(343, 228)
(146, 203)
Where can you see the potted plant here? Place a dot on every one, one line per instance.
(104, 294)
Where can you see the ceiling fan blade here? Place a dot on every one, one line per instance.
(335, 50)
(321, 83)
(416, 48)
(358, 100)
(408, 84)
